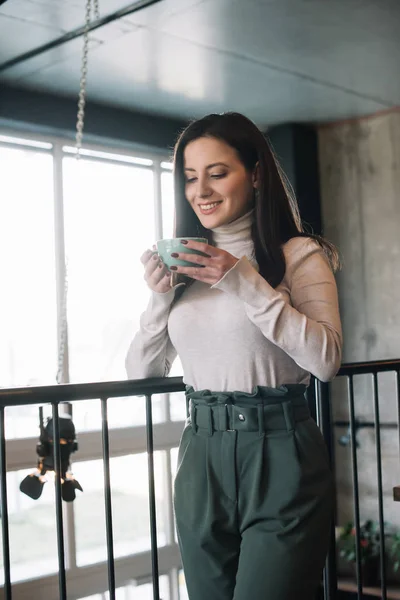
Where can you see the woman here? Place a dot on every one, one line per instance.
(257, 315)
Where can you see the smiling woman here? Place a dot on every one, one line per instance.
(219, 191)
(253, 489)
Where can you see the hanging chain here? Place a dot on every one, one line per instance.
(84, 69)
(79, 134)
(96, 9)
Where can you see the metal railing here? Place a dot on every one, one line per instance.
(55, 395)
(319, 401)
(323, 414)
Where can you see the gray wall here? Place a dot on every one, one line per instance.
(360, 193)
(296, 148)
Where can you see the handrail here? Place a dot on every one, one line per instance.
(369, 367)
(70, 392)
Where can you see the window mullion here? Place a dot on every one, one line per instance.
(60, 250)
(59, 239)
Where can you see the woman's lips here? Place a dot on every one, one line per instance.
(210, 208)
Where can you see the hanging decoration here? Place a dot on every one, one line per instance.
(33, 484)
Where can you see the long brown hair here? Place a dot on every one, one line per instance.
(277, 217)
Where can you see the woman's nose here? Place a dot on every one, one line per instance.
(204, 190)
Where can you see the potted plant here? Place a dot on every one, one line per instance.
(370, 544)
(394, 551)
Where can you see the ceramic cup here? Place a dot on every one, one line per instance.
(166, 247)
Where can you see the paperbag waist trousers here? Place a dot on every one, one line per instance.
(253, 496)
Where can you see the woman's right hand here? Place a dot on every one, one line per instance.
(156, 274)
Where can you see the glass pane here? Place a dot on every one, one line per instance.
(109, 222)
(168, 209)
(174, 464)
(131, 522)
(143, 591)
(136, 592)
(33, 538)
(177, 402)
(122, 412)
(168, 212)
(28, 321)
(183, 595)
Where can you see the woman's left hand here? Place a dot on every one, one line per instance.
(209, 269)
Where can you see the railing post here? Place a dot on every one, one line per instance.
(152, 499)
(324, 421)
(380, 489)
(4, 508)
(356, 497)
(107, 499)
(59, 514)
(396, 489)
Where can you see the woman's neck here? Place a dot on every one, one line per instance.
(235, 235)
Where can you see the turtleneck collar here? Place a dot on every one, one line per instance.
(236, 237)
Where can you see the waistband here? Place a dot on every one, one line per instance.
(263, 410)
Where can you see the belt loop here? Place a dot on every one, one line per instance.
(193, 417)
(229, 420)
(222, 417)
(288, 414)
(261, 426)
(210, 421)
(188, 403)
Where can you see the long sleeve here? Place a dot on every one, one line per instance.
(307, 325)
(151, 352)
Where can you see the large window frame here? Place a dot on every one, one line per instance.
(88, 580)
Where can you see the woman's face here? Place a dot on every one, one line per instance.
(218, 187)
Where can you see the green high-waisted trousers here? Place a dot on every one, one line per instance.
(253, 496)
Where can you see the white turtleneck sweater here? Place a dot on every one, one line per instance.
(241, 332)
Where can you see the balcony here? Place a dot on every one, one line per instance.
(123, 562)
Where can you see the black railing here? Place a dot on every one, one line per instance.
(319, 400)
(69, 393)
(349, 372)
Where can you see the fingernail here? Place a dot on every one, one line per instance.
(184, 241)
(173, 268)
(155, 257)
(175, 255)
(160, 266)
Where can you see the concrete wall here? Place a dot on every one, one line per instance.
(360, 194)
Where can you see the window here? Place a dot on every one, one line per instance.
(33, 542)
(109, 223)
(130, 504)
(28, 321)
(142, 591)
(102, 217)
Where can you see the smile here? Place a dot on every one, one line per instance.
(207, 209)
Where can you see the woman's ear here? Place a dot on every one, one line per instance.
(256, 176)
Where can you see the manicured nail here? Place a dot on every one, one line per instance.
(160, 266)
(173, 268)
(175, 255)
(184, 241)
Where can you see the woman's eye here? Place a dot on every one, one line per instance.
(218, 175)
(191, 180)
